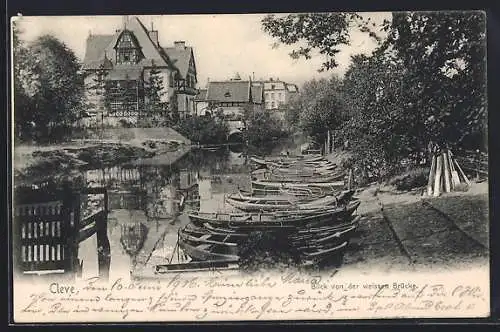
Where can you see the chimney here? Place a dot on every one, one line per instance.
(180, 44)
(153, 34)
(125, 21)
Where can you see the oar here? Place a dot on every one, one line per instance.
(462, 173)
(437, 179)
(455, 179)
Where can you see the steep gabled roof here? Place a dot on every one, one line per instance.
(180, 58)
(98, 45)
(229, 91)
(94, 50)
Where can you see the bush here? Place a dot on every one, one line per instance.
(203, 129)
(263, 127)
(415, 178)
(265, 250)
(125, 123)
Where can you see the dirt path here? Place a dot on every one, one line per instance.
(407, 231)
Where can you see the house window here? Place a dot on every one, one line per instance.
(127, 51)
(272, 95)
(273, 104)
(115, 106)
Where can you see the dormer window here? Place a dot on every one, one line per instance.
(127, 49)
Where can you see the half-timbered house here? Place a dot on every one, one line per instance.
(118, 68)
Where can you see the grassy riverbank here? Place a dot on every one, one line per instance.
(109, 147)
(402, 231)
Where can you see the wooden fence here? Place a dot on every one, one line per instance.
(47, 229)
(474, 163)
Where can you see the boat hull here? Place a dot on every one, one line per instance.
(258, 184)
(291, 218)
(204, 252)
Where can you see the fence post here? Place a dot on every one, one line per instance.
(103, 246)
(70, 228)
(478, 164)
(16, 238)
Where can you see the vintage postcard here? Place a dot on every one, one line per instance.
(303, 166)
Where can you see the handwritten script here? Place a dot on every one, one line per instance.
(289, 296)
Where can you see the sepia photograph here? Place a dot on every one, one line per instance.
(230, 167)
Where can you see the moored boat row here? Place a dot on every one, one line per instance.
(310, 221)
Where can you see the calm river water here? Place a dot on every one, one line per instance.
(149, 200)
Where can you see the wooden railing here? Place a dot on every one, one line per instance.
(48, 229)
(472, 162)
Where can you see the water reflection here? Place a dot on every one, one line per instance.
(133, 237)
(149, 200)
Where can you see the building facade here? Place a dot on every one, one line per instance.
(278, 93)
(119, 68)
(230, 97)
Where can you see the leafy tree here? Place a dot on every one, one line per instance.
(173, 104)
(321, 106)
(154, 114)
(261, 126)
(203, 129)
(154, 90)
(444, 54)
(50, 74)
(98, 94)
(324, 33)
(23, 68)
(425, 81)
(377, 126)
(292, 113)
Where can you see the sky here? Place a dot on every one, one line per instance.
(223, 44)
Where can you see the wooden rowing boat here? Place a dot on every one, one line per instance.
(260, 184)
(299, 193)
(206, 237)
(285, 159)
(204, 249)
(278, 195)
(352, 220)
(326, 240)
(197, 266)
(316, 216)
(256, 204)
(303, 179)
(306, 165)
(226, 234)
(319, 256)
